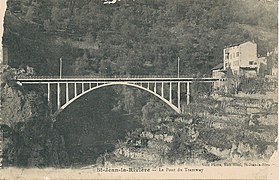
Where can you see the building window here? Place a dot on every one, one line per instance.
(227, 56)
(250, 62)
(237, 54)
(255, 63)
(231, 56)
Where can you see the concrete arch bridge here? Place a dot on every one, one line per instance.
(65, 90)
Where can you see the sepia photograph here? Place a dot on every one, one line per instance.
(139, 89)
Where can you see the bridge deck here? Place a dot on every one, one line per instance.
(99, 79)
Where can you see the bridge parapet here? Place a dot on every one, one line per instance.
(47, 79)
(110, 76)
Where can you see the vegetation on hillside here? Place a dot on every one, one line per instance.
(30, 139)
(133, 37)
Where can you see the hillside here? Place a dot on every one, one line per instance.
(133, 37)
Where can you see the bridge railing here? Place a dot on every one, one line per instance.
(114, 76)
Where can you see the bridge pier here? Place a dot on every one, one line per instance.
(188, 93)
(170, 92)
(178, 96)
(82, 87)
(58, 96)
(67, 92)
(48, 92)
(162, 90)
(49, 103)
(75, 89)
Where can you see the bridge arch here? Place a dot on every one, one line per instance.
(176, 109)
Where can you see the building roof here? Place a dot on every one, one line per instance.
(219, 66)
(238, 44)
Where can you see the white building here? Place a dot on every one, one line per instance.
(241, 58)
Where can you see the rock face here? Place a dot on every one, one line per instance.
(14, 107)
(248, 124)
(29, 139)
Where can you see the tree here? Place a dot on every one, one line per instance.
(81, 66)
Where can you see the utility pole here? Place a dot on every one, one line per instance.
(60, 72)
(178, 59)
